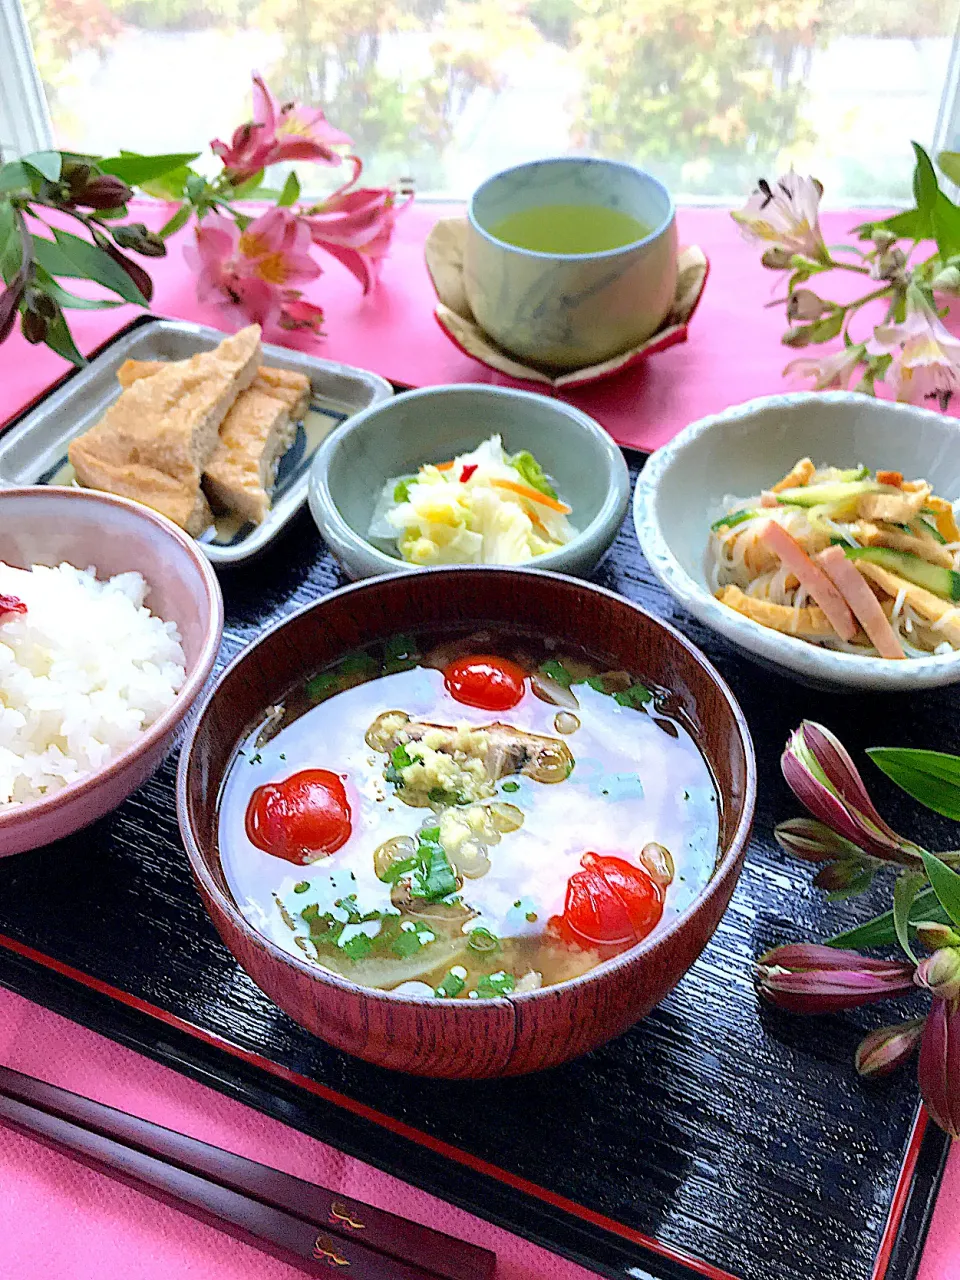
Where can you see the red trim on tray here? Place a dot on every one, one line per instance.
(900, 1193)
(437, 1145)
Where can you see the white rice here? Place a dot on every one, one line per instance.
(82, 673)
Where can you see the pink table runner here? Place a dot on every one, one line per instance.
(733, 352)
(58, 1219)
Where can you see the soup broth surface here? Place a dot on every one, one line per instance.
(570, 229)
(637, 777)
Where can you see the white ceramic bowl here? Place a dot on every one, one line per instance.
(748, 448)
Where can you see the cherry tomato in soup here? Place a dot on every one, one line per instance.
(303, 818)
(493, 684)
(610, 902)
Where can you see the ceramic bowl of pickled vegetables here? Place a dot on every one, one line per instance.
(819, 532)
(467, 822)
(469, 475)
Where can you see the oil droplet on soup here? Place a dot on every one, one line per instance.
(483, 852)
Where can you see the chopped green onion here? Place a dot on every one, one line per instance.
(636, 696)
(481, 939)
(557, 671)
(301, 886)
(492, 985)
(511, 786)
(401, 491)
(452, 984)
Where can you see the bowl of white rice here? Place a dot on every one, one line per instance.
(110, 622)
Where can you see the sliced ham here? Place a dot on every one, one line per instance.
(813, 578)
(865, 605)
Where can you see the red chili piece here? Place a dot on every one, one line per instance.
(302, 819)
(467, 472)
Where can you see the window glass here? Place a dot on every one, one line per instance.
(709, 94)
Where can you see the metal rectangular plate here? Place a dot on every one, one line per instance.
(34, 449)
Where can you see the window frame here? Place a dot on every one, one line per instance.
(25, 123)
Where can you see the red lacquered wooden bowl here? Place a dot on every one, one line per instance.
(459, 1038)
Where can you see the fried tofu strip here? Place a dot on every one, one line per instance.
(283, 384)
(945, 520)
(894, 508)
(809, 622)
(870, 535)
(946, 616)
(801, 474)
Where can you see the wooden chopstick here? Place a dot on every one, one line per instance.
(263, 1206)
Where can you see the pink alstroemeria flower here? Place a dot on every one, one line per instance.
(287, 131)
(297, 315)
(821, 774)
(926, 355)
(787, 214)
(829, 372)
(251, 271)
(814, 978)
(355, 225)
(939, 1067)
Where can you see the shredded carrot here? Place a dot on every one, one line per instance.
(538, 524)
(891, 477)
(532, 495)
(445, 466)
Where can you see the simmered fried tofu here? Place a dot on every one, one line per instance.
(801, 474)
(154, 443)
(942, 612)
(870, 535)
(283, 384)
(255, 434)
(809, 622)
(894, 508)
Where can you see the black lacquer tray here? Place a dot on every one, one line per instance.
(716, 1138)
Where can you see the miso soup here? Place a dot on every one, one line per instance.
(467, 818)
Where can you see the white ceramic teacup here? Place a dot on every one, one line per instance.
(567, 311)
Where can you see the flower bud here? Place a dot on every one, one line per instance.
(837, 877)
(777, 258)
(800, 336)
(33, 326)
(804, 304)
(104, 192)
(821, 774)
(934, 935)
(884, 1050)
(134, 235)
(812, 841)
(814, 978)
(936, 1070)
(940, 973)
(946, 281)
(41, 303)
(882, 238)
(9, 302)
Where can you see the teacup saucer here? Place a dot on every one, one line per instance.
(443, 251)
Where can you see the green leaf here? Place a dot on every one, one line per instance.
(179, 219)
(243, 190)
(530, 470)
(135, 170)
(555, 669)
(70, 256)
(945, 884)
(949, 164)
(910, 224)
(291, 191)
(881, 931)
(932, 777)
(71, 300)
(60, 339)
(47, 163)
(908, 885)
(195, 187)
(827, 328)
(13, 177)
(926, 189)
(169, 186)
(11, 248)
(636, 696)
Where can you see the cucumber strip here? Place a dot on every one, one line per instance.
(733, 519)
(833, 491)
(932, 577)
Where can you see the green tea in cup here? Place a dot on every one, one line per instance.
(570, 228)
(570, 261)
